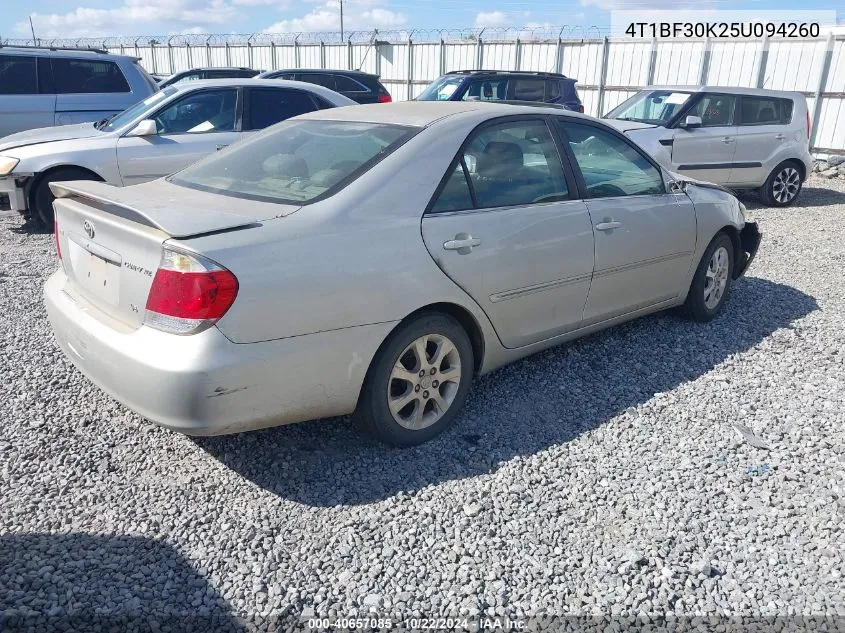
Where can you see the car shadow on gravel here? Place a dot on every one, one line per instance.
(809, 197)
(83, 582)
(544, 400)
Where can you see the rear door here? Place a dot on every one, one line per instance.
(22, 107)
(89, 89)
(506, 226)
(190, 128)
(707, 153)
(644, 237)
(761, 132)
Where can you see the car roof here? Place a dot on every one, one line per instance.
(205, 68)
(251, 82)
(78, 53)
(727, 89)
(423, 113)
(322, 71)
(524, 73)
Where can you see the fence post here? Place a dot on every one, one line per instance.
(652, 62)
(350, 63)
(137, 50)
(442, 57)
(410, 66)
(170, 54)
(322, 54)
(517, 54)
(208, 50)
(761, 64)
(823, 76)
(705, 62)
(249, 50)
(296, 51)
(559, 53)
(605, 49)
(153, 55)
(228, 54)
(188, 54)
(479, 51)
(273, 61)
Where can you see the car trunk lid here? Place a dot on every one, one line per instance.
(111, 239)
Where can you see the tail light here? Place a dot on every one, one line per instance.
(190, 293)
(581, 109)
(56, 238)
(385, 98)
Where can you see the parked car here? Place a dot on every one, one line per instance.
(196, 74)
(40, 87)
(162, 134)
(359, 86)
(373, 260)
(500, 85)
(742, 138)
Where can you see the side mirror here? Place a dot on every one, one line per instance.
(147, 127)
(691, 122)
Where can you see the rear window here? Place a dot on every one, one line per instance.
(17, 75)
(82, 76)
(345, 84)
(296, 162)
(764, 111)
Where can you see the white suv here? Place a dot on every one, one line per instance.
(742, 138)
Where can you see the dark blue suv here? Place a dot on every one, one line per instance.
(504, 85)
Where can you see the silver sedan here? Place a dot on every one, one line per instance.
(372, 260)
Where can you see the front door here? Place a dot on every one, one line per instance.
(506, 229)
(706, 153)
(644, 237)
(191, 128)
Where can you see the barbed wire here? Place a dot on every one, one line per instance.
(532, 33)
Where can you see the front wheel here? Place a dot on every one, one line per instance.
(782, 186)
(711, 283)
(41, 199)
(418, 382)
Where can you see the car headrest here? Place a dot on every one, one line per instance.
(285, 166)
(500, 157)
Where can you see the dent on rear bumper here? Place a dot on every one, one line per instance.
(207, 385)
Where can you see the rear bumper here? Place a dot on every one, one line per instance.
(206, 385)
(749, 239)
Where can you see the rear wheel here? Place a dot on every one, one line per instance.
(41, 198)
(782, 186)
(418, 382)
(711, 283)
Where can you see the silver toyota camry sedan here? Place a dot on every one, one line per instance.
(373, 260)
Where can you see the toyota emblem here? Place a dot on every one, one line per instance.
(89, 229)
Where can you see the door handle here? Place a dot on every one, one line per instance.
(463, 243)
(780, 137)
(728, 139)
(608, 226)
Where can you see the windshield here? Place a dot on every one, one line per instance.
(441, 89)
(133, 112)
(651, 106)
(295, 161)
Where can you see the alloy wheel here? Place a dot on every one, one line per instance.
(786, 184)
(716, 278)
(424, 381)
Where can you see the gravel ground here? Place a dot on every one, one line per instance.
(606, 477)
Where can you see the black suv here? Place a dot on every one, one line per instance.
(358, 86)
(208, 73)
(503, 85)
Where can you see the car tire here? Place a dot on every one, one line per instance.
(41, 198)
(423, 405)
(711, 284)
(782, 186)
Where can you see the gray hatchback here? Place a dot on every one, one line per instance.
(42, 87)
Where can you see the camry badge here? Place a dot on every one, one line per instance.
(89, 229)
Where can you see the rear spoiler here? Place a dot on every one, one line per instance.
(175, 218)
